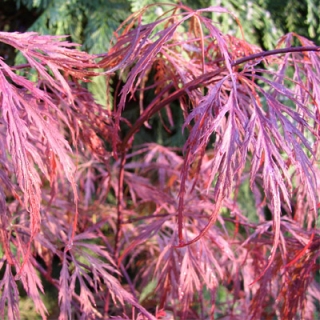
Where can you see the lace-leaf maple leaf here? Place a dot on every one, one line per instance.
(31, 114)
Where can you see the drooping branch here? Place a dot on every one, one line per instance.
(274, 52)
(156, 105)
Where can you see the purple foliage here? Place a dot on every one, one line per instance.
(121, 216)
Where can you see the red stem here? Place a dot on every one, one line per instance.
(119, 206)
(157, 105)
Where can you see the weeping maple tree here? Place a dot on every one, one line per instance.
(194, 194)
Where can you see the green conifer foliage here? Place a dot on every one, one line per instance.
(92, 22)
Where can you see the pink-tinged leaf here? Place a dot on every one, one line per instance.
(273, 188)
(32, 284)
(41, 49)
(65, 295)
(17, 133)
(21, 112)
(144, 233)
(301, 253)
(146, 58)
(9, 300)
(32, 116)
(224, 162)
(201, 269)
(86, 297)
(93, 274)
(141, 188)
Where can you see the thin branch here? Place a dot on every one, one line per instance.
(156, 105)
(274, 52)
(119, 206)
